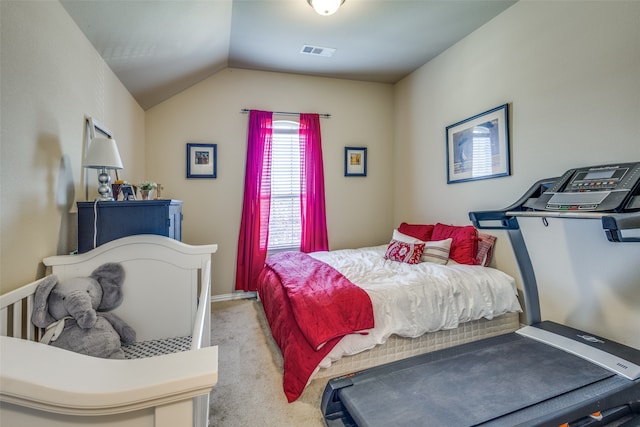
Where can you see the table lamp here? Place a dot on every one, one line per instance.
(103, 155)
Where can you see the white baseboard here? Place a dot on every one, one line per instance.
(233, 296)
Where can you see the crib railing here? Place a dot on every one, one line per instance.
(45, 385)
(15, 313)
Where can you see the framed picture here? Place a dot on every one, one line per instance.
(127, 192)
(202, 160)
(355, 161)
(478, 147)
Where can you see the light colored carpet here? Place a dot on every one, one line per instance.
(249, 390)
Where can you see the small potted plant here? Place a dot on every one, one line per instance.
(146, 189)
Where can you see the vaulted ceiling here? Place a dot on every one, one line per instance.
(158, 48)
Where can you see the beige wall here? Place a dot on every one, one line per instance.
(359, 210)
(569, 71)
(51, 78)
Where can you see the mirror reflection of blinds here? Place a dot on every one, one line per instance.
(482, 152)
(284, 221)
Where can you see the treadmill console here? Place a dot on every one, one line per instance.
(606, 188)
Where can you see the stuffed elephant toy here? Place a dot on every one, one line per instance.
(74, 313)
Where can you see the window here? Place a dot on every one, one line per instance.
(301, 228)
(284, 221)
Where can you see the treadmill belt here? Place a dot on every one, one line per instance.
(470, 388)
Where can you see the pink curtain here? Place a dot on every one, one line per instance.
(312, 206)
(254, 225)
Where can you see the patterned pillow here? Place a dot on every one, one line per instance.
(485, 249)
(404, 252)
(437, 251)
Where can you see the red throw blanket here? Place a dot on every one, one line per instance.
(310, 306)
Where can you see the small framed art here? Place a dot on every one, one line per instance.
(355, 161)
(478, 147)
(127, 192)
(202, 160)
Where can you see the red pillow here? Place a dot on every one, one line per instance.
(404, 252)
(418, 231)
(465, 241)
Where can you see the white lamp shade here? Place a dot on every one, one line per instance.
(103, 153)
(325, 7)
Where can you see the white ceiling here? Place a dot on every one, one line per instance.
(158, 48)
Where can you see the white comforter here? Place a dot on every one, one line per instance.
(409, 300)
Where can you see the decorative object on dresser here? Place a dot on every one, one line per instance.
(92, 129)
(146, 189)
(99, 223)
(159, 189)
(103, 155)
(128, 192)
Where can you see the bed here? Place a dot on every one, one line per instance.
(336, 312)
(168, 373)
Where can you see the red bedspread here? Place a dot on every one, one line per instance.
(310, 306)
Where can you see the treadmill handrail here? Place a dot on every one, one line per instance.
(559, 214)
(509, 223)
(615, 224)
(504, 216)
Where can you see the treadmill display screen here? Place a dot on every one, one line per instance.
(599, 174)
(596, 188)
(596, 179)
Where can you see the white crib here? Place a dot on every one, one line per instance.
(166, 295)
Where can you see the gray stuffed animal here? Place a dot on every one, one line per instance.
(73, 311)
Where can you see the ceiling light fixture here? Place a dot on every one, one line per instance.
(325, 7)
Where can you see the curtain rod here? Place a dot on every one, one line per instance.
(286, 113)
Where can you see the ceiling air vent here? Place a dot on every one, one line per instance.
(318, 50)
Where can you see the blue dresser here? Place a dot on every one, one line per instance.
(102, 222)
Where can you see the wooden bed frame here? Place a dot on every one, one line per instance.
(166, 294)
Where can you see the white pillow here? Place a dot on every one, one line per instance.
(437, 251)
(400, 237)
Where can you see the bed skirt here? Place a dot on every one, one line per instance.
(397, 348)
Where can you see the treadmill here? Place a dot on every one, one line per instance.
(544, 374)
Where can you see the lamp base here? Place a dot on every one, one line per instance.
(104, 189)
